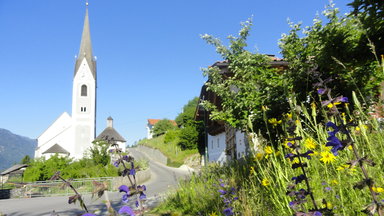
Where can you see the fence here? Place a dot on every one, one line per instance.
(58, 188)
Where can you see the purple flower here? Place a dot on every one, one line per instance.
(299, 178)
(132, 172)
(328, 188)
(317, 213)
(116, 163)
(321, 91)
(88, 214)
(228, 211)
(124, 188)
(125, 198)
(126, 210)
(142, 196)
(141, 188)
(223, 192)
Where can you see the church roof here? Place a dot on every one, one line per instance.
(154, 121)
(56, 149)
(110, 133)
(86, 48)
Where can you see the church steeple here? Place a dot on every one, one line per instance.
(86, 47)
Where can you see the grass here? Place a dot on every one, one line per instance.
(262, 180)
(171, 150)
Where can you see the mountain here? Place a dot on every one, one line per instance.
(13, 148)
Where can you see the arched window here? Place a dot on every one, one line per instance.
(83, 90)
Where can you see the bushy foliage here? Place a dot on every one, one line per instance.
(341, 50)
(188, 113)
(172, 135)
(162, 126)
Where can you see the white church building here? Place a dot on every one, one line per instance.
(73, 135)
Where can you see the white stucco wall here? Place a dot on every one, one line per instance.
(216, 148)
(83, 121)
(60, 132)
(240, 144)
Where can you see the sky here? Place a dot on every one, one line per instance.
(149, 54)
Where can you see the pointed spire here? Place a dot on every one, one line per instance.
(86, 47)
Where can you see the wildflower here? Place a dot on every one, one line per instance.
(309, 143)
(330, 105)
(265, 182)
(259, 156)
(350, 147)
(212, 214)
(274, 122)
(88, 214)
(287, 144)
(268, 150)
(378, 189)
(321, 91)
(228, 211)
(295, 161)
(314, 153)
(289, 115)
(327, 157)
(334, 182)
(252, 171)
(327, 205)
(299, 178)
(126, 210)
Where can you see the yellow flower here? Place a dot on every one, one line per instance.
(268, 150)
(378, 189)
(212, 214)
(357, 128)
(334, 182)
(296, 160)
(265, 182)
(330, 105)
(309, 143)
(274, 122)
(327, 205)
(350, 147)
(342, 167)
(259, 156)
(314, 153)
(252, 171)
(277, 153)
(289, 115)
(327, 157)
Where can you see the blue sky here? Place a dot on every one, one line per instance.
(149, 54)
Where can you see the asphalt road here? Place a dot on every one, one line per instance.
(163, 178)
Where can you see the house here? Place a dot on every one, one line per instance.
(16, 171)
(222, 142)
(151, 123)
(109, 134)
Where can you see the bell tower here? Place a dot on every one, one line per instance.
(84, 95)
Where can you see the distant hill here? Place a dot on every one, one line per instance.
(13, 148)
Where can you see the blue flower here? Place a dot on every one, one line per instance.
(228, 211)
(142, 196)
(299, 178)
(125, 189)
(317, 213)
(321, 91)
(116, 163)
(223, 192)
(88, 214)
(126, 210)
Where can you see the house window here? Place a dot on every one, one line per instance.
(83, 90)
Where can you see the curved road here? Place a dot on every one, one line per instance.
(162, 179)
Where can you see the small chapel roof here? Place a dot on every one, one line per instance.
(56, 149)
(85, 51)
(109, 133)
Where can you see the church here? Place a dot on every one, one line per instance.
(73, 135)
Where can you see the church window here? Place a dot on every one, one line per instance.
(83, 90)
(83, 109)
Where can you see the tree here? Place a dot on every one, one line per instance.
(99, 152)
(342, 49)
(26, 160)
(188, 112)
(162, 126)
(250, 84)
